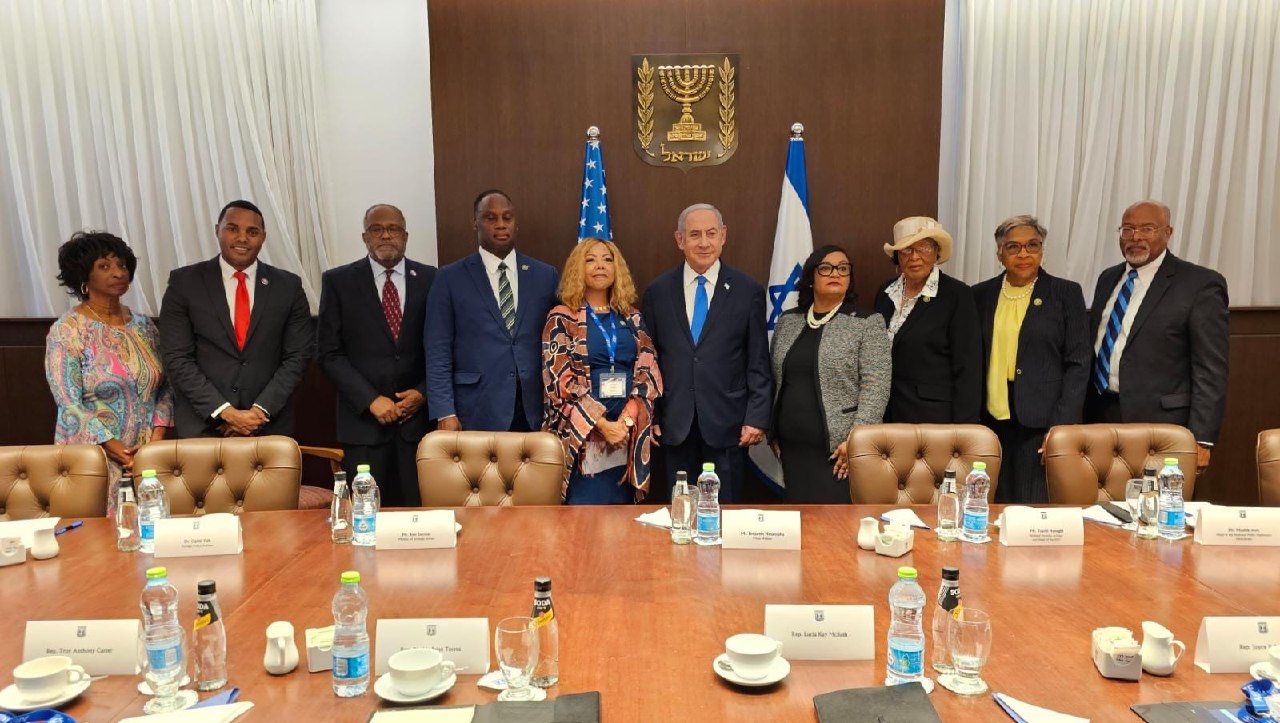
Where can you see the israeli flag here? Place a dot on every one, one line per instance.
(792, 244)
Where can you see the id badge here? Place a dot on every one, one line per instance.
(613, 385)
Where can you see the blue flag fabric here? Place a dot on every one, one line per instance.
(593, 217)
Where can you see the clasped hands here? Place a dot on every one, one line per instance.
(241, 422)
(387, 411)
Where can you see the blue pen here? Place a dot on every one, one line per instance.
(68, 528)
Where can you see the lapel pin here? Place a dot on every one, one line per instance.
(726, 286)
(1038, 302)
(413, 272)
(265, 282)
(524, 267)
(927, 299)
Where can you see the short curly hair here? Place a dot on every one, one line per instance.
(77, 256)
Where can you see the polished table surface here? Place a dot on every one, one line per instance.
(641, 619)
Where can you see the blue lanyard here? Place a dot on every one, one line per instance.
(610, 336)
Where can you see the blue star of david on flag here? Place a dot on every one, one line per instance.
(593, 216)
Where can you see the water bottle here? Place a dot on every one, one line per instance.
(1172, 524)
(128, 536)
(948, 529)
(681, 511)
(364, 506)
(153, 504)
(906, 630)
(162, 636)
(547, 672)
(708, 506)
(976, 512)
(209, 639)
(350, 637)
(340, 510)
(946, 609)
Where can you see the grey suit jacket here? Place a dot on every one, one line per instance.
(855, 364)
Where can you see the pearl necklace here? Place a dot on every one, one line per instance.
(814, 322)
(1004, 290)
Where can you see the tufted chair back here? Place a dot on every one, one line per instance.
(1268, 467)
(902, 464)
(469, 469)
(230, 474)
(1089, 463)
(53, 480)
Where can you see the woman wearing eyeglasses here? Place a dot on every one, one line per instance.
(933, 326)
(830, 359)
(1036, 347)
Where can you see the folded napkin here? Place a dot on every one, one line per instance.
(905, 516)
(212, 714)
(660, 517)
(1027, 713)
(1101, 516)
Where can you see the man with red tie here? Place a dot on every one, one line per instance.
(369, 342)
(235, 335)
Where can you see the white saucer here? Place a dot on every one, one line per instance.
(1262, 670)
(11, 700)
(386, 691)
(145, 688)
(779, 670)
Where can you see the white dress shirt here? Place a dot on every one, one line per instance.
(1140, 286)
(491, 270)
(901, 306)
(229, 284)
(691, 287)
(380, 279)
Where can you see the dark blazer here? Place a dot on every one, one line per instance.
(937, 358)
(1054, 355)
(1174, 365)
(726, 376)
(361, 358)
(198, 345)
(472, 360)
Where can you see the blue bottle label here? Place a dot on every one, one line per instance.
(365, 523)
(356, 666)
(975, 522)
(709, 523)
(163, 658)
(907, 662)
(1172, 518)
(148, 530)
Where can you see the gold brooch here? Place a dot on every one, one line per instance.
(1038, 302)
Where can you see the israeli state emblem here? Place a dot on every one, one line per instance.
(684, 108)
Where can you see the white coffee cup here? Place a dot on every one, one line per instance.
(1273, 659)
(751, 655)
(417, 670)
(46, 678)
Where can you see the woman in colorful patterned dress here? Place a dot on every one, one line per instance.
(601, 378)
(101, 360)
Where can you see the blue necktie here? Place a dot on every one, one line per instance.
(699, 309)
(1102, 367)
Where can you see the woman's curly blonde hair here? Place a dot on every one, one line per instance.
(622, 297)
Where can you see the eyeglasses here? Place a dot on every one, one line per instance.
(379, 229)
(1147, 231)
(926, 251)
(1013, 248)
(840, 270)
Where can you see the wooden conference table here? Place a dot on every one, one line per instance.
(641, 619)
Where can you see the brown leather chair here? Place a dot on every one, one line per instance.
(1089, 463)
(469, 469)
(1268, 467)
(230, 474)
(902, 464)
(53, 480)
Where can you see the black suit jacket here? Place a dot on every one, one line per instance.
(359, 355)
(937, 358)
(1174, 365)
(726, 376)
(1053, 350)
(198, 345)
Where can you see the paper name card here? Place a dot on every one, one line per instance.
(1251, 526)
(465, 641)
(101, 647)
(415, 530)
(760, 529)
(823, 632)
(1041, 526)
(26, 529)
(1231, 645)
(217, 533)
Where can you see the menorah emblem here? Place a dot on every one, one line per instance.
(686, 85)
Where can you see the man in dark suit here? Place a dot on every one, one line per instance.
(372, 313)
(1160, 334)
(707, 324)
(235, 335)
(484, 329)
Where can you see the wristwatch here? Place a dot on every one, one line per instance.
(629, 422)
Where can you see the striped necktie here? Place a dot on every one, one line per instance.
(506, 302)
(1102, 367)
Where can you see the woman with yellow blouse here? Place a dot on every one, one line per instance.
(1036, 354)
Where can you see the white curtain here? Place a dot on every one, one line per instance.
(143, 118)
(1073, 110)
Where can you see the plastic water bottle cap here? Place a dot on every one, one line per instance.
(349, 577)
(148, 473)
(907, 573)
(708, 466)
(980, 466)
(157, 572)
(362, 468)
(1170, 461)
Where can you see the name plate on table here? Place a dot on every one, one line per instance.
(26, 529)
(760, 529)
(101, 647)
(1251, 526)
(1041, 526)
(415, 530)
(823, 632)
(1231, 645)
(465, 641)
(217, 533)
